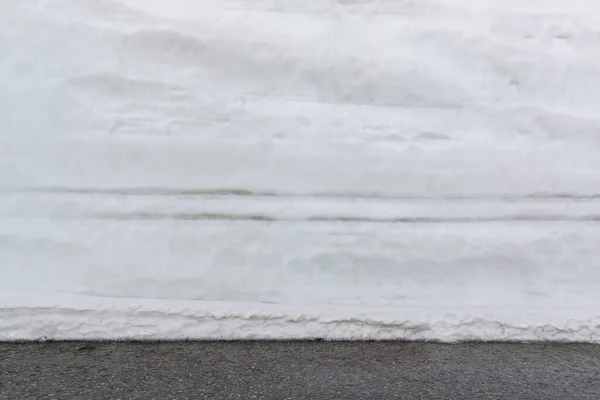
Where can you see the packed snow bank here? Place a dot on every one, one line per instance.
(339, 169)
(70, 317)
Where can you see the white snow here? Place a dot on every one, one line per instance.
(346, 169)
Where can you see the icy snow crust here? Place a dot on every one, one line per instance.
(300, 169)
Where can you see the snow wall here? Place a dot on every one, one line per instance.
(365, 169)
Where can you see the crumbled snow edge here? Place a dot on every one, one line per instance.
(73, 317)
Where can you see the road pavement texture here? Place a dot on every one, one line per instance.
(298, 370)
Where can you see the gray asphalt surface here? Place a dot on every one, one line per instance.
(298, 370)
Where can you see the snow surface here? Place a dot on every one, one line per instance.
(346, 169)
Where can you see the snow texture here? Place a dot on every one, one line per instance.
(349, 169)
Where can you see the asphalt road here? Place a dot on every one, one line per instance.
(298, 370)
